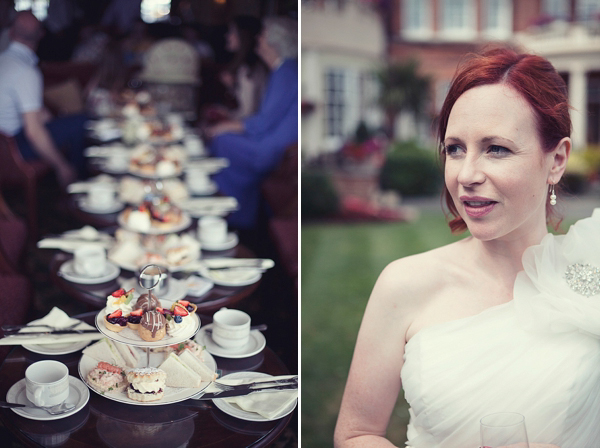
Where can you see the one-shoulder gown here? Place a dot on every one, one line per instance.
(538, 355)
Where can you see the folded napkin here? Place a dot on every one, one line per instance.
(269, 404)
(58, 319)
(69, 245)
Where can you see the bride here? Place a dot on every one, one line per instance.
(508, 318)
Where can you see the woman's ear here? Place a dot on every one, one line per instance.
(559, 156)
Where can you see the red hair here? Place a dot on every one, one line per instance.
(538, 83)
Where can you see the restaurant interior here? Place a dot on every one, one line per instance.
(159, 195)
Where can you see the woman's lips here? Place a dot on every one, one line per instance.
(478, 207)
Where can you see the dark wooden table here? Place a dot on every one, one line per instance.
(104, 422)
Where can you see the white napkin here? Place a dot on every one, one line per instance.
(69, 245)
(59, 319)
(267, 404)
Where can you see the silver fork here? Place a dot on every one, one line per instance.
(10, 328)
(226, 387)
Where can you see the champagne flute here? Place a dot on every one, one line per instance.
(503, 430)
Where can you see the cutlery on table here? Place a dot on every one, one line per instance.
(239, 392)
(257, 385)
(20, 327)
(54, 410)
(213, 264)
(49, 332)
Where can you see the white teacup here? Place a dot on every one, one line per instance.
(212, 229)
(47, 383)
(197, 180)
(89, 260)
(101, 195)
(231, 328)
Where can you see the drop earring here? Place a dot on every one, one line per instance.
(552, 195)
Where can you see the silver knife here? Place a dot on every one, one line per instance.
(237, 393)
(50, 332)
(259, 384)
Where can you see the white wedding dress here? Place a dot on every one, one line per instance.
(538, 355)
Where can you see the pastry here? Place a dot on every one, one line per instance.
(146, 302)
(134, 319)
(152, 326)
(115, 321)
(120, 300)
(189, 306)
(146, 384)
(107, 378)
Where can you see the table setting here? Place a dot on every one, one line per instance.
(90, 359)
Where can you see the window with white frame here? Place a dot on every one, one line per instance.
(496, 18)
(587, 10)
(457, 19)
(416, 19)
(335, 104)
(39, 8)
(558, 9)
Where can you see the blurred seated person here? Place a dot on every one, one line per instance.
(22, 113)
(246, 75)
(255, 145)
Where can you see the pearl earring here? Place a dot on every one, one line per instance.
(552, 195)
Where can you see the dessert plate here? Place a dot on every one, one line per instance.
(230, 242)
(55, 349)
(185, 222)
(67, 272)
(255, 345)
(172, 394)
(132, 337)
(236, 411)
(87, 207)
(233, 277)
(131, 265)
(79, 395)
(177, 289)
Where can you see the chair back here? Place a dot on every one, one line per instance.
(13, 168)
(280, 188)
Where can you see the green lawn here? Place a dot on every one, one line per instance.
(340, 263)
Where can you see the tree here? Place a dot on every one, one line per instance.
(401, 88)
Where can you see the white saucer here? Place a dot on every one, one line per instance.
(68, 273)
(86, 207)
(207, 190)
(230, 242)
(226, 277)
(79, 395)
(237, 412)
(256, 344)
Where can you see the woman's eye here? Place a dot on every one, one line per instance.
(451, 149)
(495, 149)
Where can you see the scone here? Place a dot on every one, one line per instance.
(152, 326)
(146, 384)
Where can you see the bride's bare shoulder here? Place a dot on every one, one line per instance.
(412, 278)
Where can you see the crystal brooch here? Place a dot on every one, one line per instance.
(584, 279)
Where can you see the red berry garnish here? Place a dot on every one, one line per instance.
(180, 311)
(117, 313)
(118, 292)
(184, 302)
(160, 309)
(137, 312)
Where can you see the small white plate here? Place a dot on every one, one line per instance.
(172, 394)
(237, 412)
(86, 207)
(256, 344)
(207, 190)
(132, 337)
(230, 242)
(67, 272)
(79, 395)
(198, 286)
(225, 277)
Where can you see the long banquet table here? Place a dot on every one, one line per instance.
(106, 423)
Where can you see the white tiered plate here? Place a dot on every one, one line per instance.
(186, 221)
(132, 337)
(172, 394)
